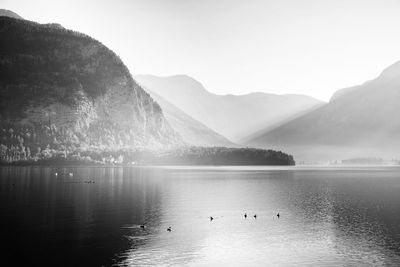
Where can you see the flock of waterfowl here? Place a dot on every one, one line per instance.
(169, 229)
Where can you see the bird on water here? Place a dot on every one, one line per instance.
(142, 226)
(169, 229)
(277, 215)
(211, 218)
(245, 215)
(255, 216)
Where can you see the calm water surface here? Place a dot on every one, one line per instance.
(329, 217)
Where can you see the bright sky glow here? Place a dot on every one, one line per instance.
(311, 47)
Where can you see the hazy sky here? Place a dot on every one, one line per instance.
(311, 47)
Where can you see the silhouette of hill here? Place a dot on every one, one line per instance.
(192, 131)
(359, 121)
(233, 116)
(9, 13)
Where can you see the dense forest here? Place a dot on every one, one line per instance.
(128, 157)
(220, 156)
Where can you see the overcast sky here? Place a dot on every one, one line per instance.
(311, 47)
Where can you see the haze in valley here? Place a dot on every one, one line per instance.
(264, 74)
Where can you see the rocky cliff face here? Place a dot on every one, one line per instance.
(63, 91)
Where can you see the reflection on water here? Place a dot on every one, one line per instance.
(328, 216)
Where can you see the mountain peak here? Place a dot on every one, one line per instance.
(233, 116)
(358, 121)
(9, 13)
(177, 84)
(393, 71)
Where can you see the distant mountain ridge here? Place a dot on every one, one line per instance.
(192, 131)
(357, 122)
(61, 91)
(233, 116)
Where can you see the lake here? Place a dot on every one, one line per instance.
(328, 216)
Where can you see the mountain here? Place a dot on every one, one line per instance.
(62, 90)
(233, 116)
(9, 13)
(357, 122)
(192, 131)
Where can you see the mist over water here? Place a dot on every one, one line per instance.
(336, 216)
